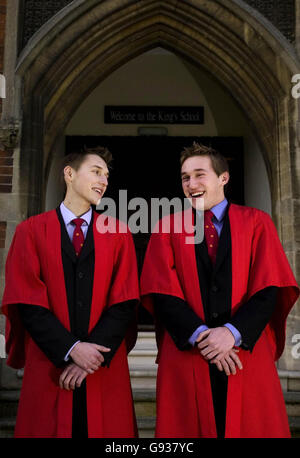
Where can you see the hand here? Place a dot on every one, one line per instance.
(72, 377)
(87, 356)
(229, 362)
(215, 342)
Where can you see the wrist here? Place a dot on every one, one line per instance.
(74, 349)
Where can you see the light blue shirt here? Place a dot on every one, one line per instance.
(68, 216)
(219, 211)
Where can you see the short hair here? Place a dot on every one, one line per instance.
(218, 162)
(75, 160)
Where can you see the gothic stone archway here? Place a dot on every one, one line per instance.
(88, 40)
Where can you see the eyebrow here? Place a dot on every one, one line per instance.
(99, 167)
(194, 170)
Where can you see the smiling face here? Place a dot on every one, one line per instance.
(87, 184)
(200, 181)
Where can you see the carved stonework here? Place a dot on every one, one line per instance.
(9, 136)
(36, 13)
(280, 12)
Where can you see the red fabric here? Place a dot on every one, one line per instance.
(255, 404)
(34, 275)
(211, 235)
(78, 237)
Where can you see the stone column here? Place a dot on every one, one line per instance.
(297, 34)
(11, 213)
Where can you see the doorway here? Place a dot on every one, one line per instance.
(148, 167)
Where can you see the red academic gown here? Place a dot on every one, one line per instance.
(34, 275)
(255, 404)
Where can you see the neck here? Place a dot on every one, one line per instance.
(77, 207)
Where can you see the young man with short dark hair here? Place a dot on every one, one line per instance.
(221, 307)
(70, 298)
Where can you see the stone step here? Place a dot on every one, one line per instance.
(145, 408)
(143, 376)
(294, 423)
(7, 426)
(144, 402)
(9, 403)
(145, 350)
(292, 402)
(146, 427)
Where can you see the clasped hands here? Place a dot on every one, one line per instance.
(87, 358)
(216, 345)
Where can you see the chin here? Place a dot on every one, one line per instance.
(197, 204)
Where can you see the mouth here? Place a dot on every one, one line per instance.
(198, 194)
(99, 191)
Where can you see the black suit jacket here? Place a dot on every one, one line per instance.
(47, 331)
(215, 284)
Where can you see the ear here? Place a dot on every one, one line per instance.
(224, 178)
(68, 173)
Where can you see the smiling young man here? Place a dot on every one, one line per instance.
(70, 299)
(221, 307)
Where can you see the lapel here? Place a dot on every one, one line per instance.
(201, 249)
(223, 247)
(202, 254)
(67, 245)
(224, 242)
(88, 245)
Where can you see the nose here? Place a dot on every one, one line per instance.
(104, 180)
(193, 183)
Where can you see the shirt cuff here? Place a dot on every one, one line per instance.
(67, 357)
(236, 334)
(196, 333)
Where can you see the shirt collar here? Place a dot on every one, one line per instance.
(68, 216)
(219, 210)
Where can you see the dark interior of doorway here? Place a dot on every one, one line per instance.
(148, 166)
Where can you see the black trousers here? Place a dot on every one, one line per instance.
(79, 414)
(219, 383)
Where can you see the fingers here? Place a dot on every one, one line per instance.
(202, 335)
(88, 356)
(219, 365)
(229, 362)
(236, 359)
(100, 347)
(105, 349)
(207, 353)
(72, 377)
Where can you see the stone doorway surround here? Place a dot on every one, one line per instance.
(87, 40)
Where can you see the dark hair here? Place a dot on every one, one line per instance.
(218, 162)
(75, 160)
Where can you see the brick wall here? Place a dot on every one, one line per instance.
(6, 170)
(6, 159)
(2, 37)
(2, 233)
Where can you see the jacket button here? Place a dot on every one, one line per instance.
(214, 288)
(215, 315)
(80, 275)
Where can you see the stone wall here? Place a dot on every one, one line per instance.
(57, 69)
